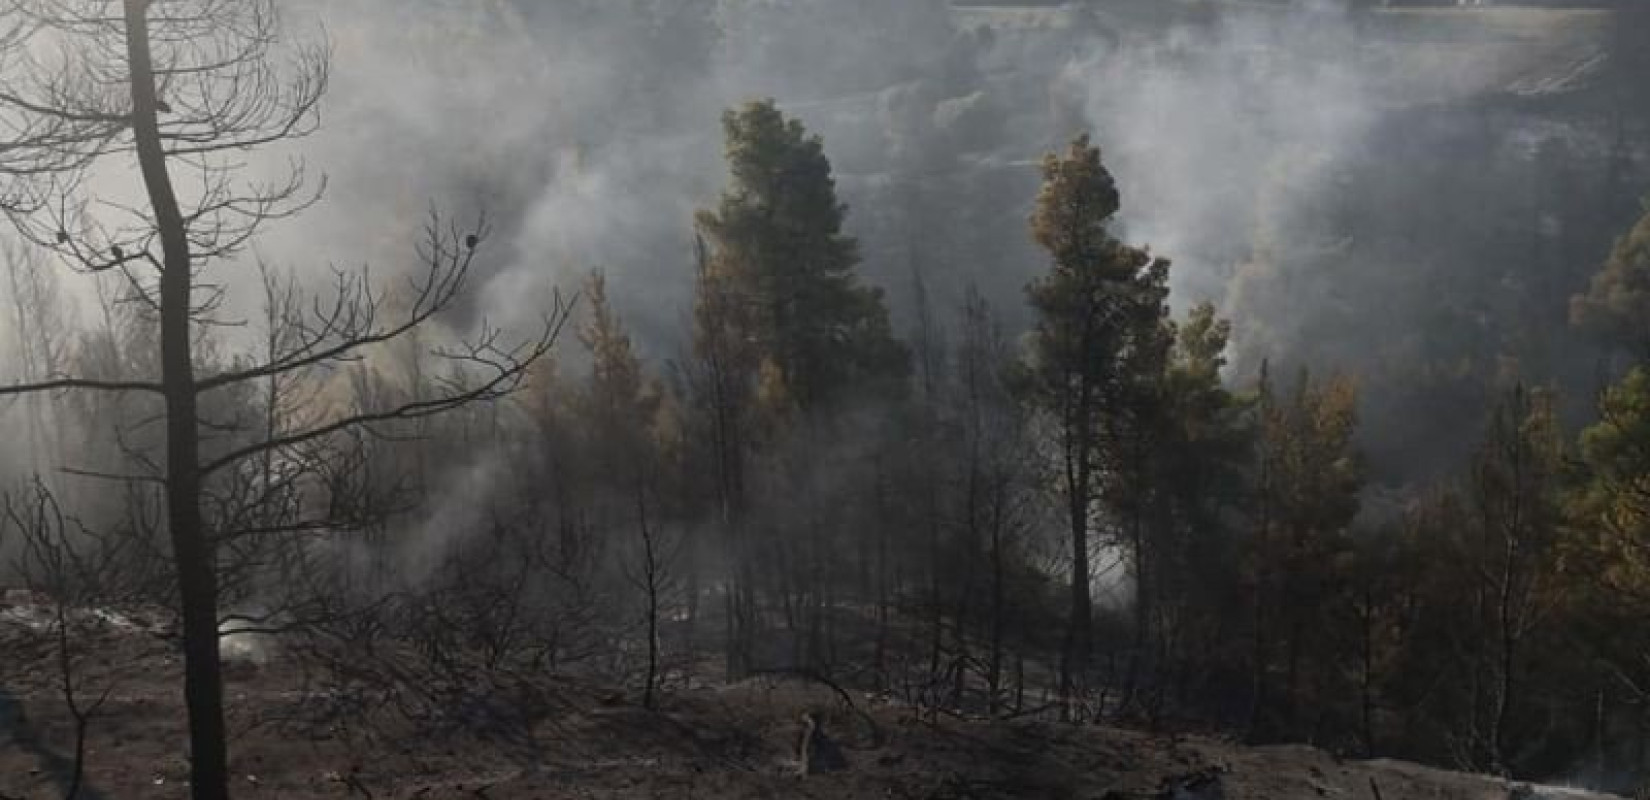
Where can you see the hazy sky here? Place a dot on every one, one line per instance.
(589, 131)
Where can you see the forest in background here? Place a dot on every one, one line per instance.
(1053, 498)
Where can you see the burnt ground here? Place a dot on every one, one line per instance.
(546, 737)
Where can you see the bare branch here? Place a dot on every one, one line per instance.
(339, 331)
(506, 369)
(80, 383)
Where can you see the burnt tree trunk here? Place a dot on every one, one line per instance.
(191, 550)
(651, 577)
(1079, 445)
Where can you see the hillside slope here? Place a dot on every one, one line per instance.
(536, 736)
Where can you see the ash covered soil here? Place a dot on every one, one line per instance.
(298, 735)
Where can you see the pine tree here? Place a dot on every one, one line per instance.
(787, 337)
(722, 380)
(1100, 312)
(1514, 491)
(1605, 551)
(1202, 451)
(1613, 499)
(994, 473)
(620, 400)
(1309, 475)
(622, 415)
(1616, 306)
(776, 239)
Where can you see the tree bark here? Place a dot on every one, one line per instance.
(1076, 649)
(1079, 446)
(652, 577)
(191, 552)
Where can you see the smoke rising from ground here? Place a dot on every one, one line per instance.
(1220, 132)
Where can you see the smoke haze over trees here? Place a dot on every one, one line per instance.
(1275, 369)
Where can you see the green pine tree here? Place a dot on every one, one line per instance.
(1099, 336)
(776, 240)
(1616, 306)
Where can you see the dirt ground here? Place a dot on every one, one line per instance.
(540, 737)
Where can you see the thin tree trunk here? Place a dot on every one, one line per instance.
(1508, 619)
(1505, 682)
(1600, 756)
(1074, 658)
(936, 617)
(196, 570)
(1142, 595)
(994, 673)
(651, 576)
(884, 602)
(1367, 684)
(1480, 662)
(1258, 684)
(1019, 680)
(82, 718)
(690, 550)
(1292, 679)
